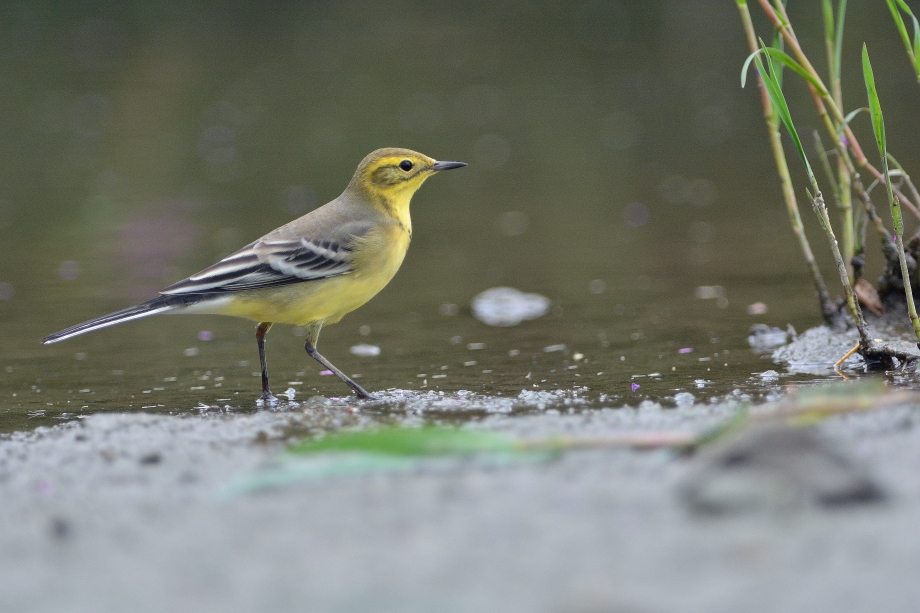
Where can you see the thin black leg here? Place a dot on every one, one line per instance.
(261, 330)
(360, 391)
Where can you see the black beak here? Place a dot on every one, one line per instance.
(447, 165)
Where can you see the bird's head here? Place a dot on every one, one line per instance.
(394, 173)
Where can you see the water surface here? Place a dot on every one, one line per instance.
(615, 167)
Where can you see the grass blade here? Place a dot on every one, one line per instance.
(746, 66)
(782, 109)
(778, 44)
(410, 442)
(838, 37)
(817, 200)
(878, 126)
(848, 119)
(899, 23)
(827, 10)
(826, 166)
(787, 61)
(833, 37)
(913, 49)
(828, 310)
(916, 46)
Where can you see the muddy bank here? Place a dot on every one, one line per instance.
(816, 350)
(132, 512)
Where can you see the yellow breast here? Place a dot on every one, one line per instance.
(326, 300)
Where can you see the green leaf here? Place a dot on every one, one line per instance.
(894, 162)
(390, 450)
(427, 441)
(905, 8)
(848, 119)
(916, 45)
(878, 127)
(782, 109)
(826, 165)
(747, 64)
(786, 60)
(875, 107)
(796, 67)
(899, 22)
(913, 50)
(778, 44)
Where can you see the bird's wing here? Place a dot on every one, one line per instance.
(273, 261)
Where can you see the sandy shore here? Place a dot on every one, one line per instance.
(132, 513)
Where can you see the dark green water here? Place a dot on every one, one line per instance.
(615, 167)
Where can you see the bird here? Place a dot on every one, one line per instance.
(310, 272)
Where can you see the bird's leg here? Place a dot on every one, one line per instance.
(261, 330)
(360, 391)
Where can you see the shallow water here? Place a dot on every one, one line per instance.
(603, 176)
(162, 365)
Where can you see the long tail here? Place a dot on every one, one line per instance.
(151, 307)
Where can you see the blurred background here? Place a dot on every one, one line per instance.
(615, 166)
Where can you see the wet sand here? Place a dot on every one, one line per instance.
(141, 512)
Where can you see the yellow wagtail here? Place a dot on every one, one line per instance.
(311, 271)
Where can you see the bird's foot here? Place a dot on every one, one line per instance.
(267, 400)
(360, 392)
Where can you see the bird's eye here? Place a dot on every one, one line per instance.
(406, 165)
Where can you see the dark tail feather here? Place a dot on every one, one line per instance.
(151, 307)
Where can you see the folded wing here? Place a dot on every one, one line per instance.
(272, 262)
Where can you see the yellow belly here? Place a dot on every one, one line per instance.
(326, 300)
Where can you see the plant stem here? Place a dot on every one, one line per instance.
(782, 25)
(905, 176)
(846, 212)
(888, 248)
(878, 127)
(833, 39)
(817, 203)
(828, 310)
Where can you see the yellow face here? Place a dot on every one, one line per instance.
(392, 171)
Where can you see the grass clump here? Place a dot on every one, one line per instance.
(845, 173)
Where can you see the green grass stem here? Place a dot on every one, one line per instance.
(904, 176)
(828, 310)
(826, 167)
(878, 128)
(780, 20)
(833, 42)
(817, 200)
(841, 184)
